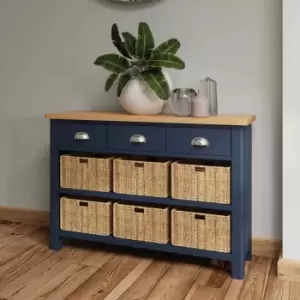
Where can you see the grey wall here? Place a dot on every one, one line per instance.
(47, 49)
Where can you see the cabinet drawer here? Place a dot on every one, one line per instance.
(136, 138)
(79, 136)
(205, 141)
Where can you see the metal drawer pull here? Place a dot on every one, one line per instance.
(200, 142)
(83, 136)
(137, 139)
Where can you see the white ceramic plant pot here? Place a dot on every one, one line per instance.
(138, 99)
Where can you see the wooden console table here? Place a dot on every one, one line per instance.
(222, 138)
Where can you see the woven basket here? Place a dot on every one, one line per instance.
(141, 223)
(200, 183)
(86, 173)
(200, 231)
(138, 177)
(86, 216)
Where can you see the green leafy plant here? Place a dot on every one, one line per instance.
(139, 58)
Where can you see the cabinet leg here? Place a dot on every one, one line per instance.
(55, 242)
(249, 255)
(238, 269)
(55, 239)
(249, 247)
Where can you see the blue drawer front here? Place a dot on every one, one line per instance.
(119, 138)
(97, 134)
(179, 140)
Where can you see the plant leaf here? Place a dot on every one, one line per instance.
(112, 62)
(169, 46)
(166, 60)
(122, 82)
(130, 42)
(117, 41)
(110, 81)
(144, 42)
(156, 80)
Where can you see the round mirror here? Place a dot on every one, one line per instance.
(129, 1)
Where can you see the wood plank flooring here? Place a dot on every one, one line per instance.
(31, 271)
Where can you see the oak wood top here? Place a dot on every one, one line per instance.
(236, 120)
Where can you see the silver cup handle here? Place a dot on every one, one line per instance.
(137, 139)
(82, 136)
(200, 142)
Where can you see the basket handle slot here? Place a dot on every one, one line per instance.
(83, 160)
(139, 210)
(199, 217)
(199, 169)
(81, 203)
(139, 165)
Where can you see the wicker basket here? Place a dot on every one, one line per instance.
(200, 183)
(86, 216)
(141, 223)
(86, 173)
(200, 231)
(139, 177)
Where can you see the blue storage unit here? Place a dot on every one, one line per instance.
(215, 139)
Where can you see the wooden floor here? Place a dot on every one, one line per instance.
(29, 270)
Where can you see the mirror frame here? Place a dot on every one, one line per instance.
(129, 2)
